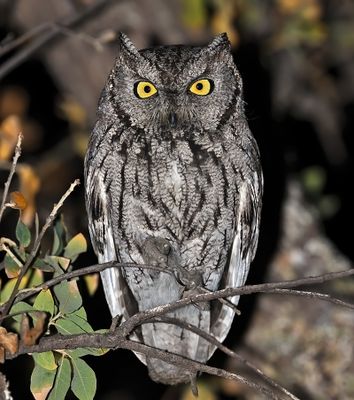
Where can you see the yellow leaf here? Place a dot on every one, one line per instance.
(18, 200)
(42, 393)
(74, 112)
(9, 131)
(29, 187)
(92, 282)
(76, 246)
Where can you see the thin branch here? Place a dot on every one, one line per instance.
(19, 41)
(211, 339)
(36, 247)
(313, 295)
(226, 302)
(25, 293)
(11, 174)
(51, 34)
(273, 287)
(130, 324)
(116, 340)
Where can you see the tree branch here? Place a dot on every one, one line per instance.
(115, 340)
(35, 248)
(312, 295)
(25, 293)
(225, 350)
(51, 32)
(11, 174)
(130, 324)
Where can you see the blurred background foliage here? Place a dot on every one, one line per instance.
(296, 58)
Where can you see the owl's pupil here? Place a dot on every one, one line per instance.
(199, 86)
(147, 89)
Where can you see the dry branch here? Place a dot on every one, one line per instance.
(117, 337)
(225, 350)
(11, 174)
(116, 340)
(46, 33)
(36, 247)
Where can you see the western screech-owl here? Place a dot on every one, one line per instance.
(173, 178)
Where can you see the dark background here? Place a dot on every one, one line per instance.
(296, 58)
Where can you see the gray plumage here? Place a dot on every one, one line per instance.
(173, 178)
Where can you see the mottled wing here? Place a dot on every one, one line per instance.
(102, 238)
(243, 247)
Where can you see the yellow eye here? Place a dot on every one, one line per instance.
(144, 89)
(202, 87)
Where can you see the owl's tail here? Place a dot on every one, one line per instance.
(179, 341)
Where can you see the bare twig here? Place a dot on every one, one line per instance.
(53, 31)
(19, 41)
(36, 247)
(11, 174)
(226, 302)
(313, 295)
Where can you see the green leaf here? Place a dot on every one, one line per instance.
(45, 302)
(23, 234)
(60, 232)
(7, 290)
(42, 265)
(62, 380)
(68, 296)
(87, 351)
(60, 264)
(41, 382)
(21, 307)
(76, 246)
(12, 269)
(84, 382)
(74, 323)
(46, 360)
(31, 278)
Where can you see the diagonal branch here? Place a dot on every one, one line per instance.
(130, 324)
(11, 174)
(36, 247)
(312, 295)
(50, 32)
(115, 340)
(211, 339)
(25, 293)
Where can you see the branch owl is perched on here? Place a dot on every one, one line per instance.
(173, 178)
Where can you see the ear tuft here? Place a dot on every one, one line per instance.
(126, 46)
(220, 42)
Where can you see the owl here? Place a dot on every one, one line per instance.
(173, 179)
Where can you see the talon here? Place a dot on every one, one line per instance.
(194, 386)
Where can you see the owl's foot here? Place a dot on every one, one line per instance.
(194, 386)
(226, 302)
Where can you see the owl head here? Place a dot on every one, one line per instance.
(176, 88)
